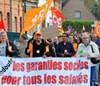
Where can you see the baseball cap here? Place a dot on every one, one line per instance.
(38, 33)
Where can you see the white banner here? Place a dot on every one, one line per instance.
(44, 71)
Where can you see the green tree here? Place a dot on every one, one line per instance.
(77, 25)
(95, 9)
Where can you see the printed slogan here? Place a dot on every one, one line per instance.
(45, 72)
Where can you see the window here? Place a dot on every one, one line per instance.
(1, 17)
(8, 21)
(78, 14)
(16, 24)
(21, 24)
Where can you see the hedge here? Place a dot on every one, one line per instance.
(78, 25)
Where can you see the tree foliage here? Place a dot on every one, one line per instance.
(77, 25)
(95, 9)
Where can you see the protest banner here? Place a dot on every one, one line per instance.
(44, 72)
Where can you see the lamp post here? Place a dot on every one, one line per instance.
(10, 15)
(24, 10)
(24, 6)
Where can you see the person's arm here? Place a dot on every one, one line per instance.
(96, 52)
(72, 51)
(46, 50)
(59, 51)
(30, 50)
(10, 49)
(78, 51)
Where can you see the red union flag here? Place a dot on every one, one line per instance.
(57, 17)
(2, 26)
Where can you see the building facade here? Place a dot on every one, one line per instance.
(12, 13)
(77, 10)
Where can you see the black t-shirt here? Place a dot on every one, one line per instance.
(39, 50)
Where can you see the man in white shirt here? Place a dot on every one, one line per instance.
(88, 48)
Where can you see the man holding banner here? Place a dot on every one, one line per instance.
(37, 47)
(6, 49)
(65, 48)
(88, 48)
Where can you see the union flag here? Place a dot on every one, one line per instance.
(57, 17)
(2, 25)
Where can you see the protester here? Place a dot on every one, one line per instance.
(23, 44)
(55, 42)
(52, 51)
(6, 48)
(27, 51)
(60, 38)
(65, 48)
(95, 39)
(37, 47)
(74, 42)
(88, 48)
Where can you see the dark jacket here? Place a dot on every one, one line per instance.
(39, 50)
(52, 50)
(61, 48)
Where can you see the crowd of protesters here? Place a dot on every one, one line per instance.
(82, 44)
